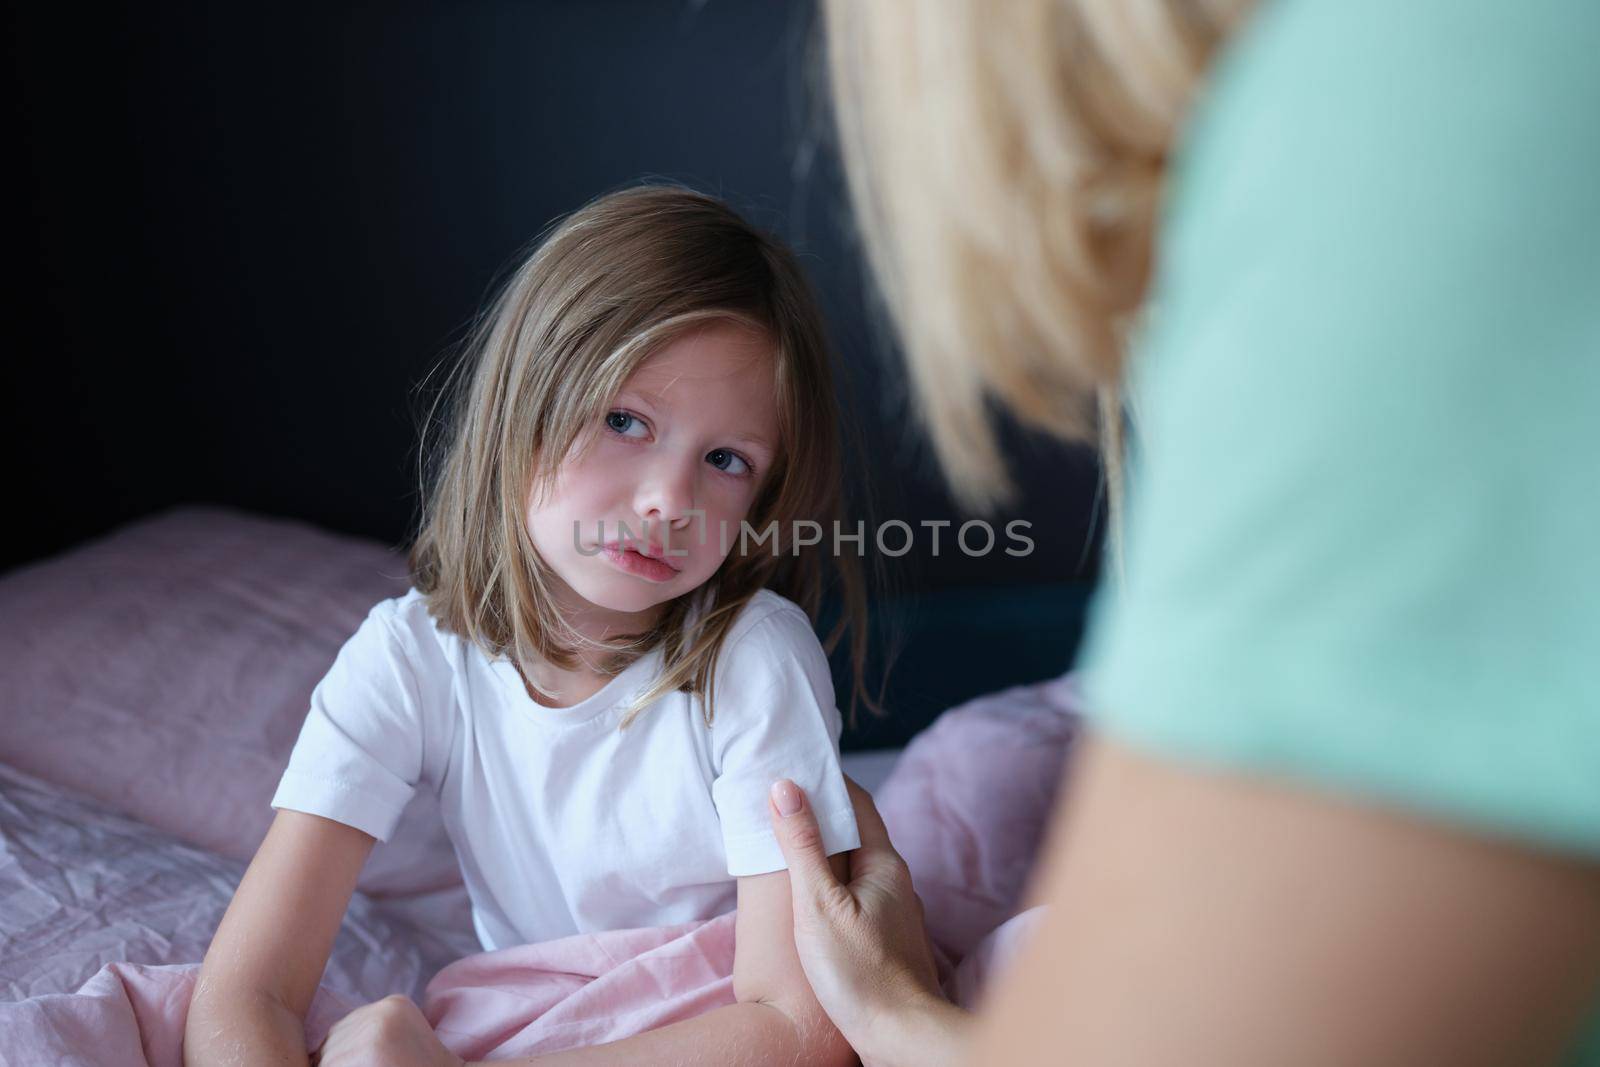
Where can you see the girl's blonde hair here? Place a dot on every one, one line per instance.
(1005, 163)
(609, 286)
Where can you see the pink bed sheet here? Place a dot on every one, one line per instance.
(101, 865)
(524, 1001)
(165, 670)
(82, 887)
(968, 802)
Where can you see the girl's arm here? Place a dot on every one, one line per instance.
(270, 949)
(776, 1019)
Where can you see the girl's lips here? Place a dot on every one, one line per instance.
(653, 570)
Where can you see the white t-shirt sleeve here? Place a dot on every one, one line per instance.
(774, 717)
(359, 756)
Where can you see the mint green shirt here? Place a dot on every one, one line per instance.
(1363, 530)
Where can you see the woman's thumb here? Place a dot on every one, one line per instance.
(800, 839)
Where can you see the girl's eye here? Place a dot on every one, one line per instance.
(727, 462)
(624, 424)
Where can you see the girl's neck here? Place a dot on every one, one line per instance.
(565, 687)
(600, 623)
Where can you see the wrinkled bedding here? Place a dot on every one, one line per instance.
(165, 670)
(105, 920)
(82, 887)
(968, 802)
(133, 794)
(529, 1000)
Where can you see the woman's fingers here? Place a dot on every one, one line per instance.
(810, 876)
(876, 861)
(874, 835)
(801, 842)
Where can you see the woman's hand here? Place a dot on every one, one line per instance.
(862, 942)
(391, 1032)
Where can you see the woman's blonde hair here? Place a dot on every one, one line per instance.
(1005, 163)
(609, 286)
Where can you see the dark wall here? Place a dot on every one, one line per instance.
(245, 236)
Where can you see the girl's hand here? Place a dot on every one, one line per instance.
(391, 1032)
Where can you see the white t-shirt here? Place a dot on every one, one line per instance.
(564, 824)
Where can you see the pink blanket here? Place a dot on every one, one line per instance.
(575, 992)
(132, 795)
(83, 889)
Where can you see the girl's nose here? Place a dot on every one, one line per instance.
(666, 494)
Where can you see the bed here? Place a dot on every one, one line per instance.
(154, 683)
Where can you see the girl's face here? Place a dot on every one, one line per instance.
(694, 429)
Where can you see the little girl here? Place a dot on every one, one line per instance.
(604, 662)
